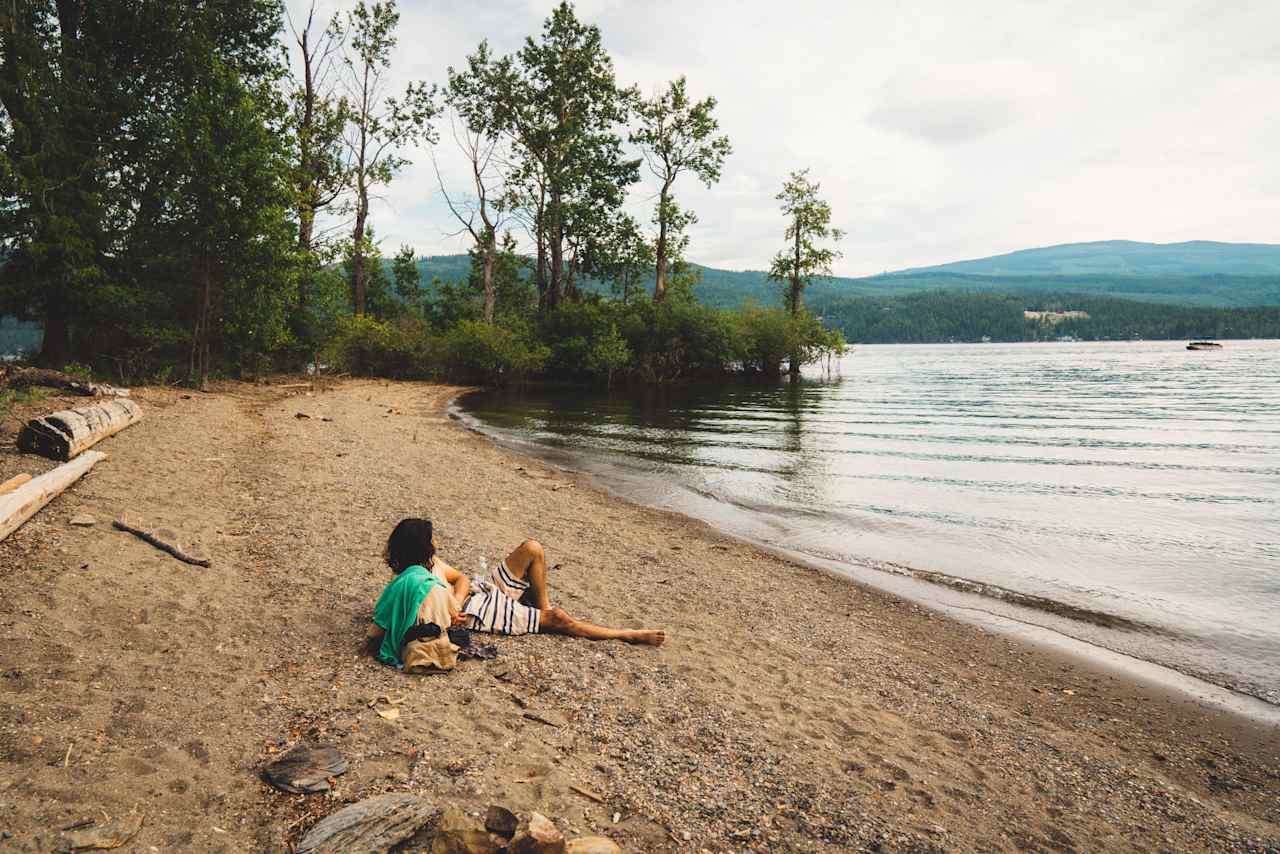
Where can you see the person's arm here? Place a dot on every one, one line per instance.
(459, 582)
(373, 638)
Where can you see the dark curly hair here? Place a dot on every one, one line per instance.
(409, 544)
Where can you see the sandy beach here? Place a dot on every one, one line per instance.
(789, 710)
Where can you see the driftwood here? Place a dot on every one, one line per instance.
(113, 834)
(13, 483)
(306, 770)
(64, 434)
(154, 540)
(372, 826)
(24, 502)
(26, 377)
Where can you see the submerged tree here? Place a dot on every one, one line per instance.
(809, 223)
(677, 135)
(379, 124)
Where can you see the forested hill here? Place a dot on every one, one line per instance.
(1124, 258)
(728, 288)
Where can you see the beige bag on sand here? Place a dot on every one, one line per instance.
(438, 654)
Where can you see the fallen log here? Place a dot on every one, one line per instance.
(170, 548)
(13, 483)
(64, 434)
(25, 501)
(27, 377)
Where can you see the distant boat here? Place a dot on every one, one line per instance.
(1204, 345)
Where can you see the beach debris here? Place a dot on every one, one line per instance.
(501, 821)
(537, 836)
(65, 434)
(13, 483)
(592, 845)
(1068, 692)
(479, 651)
(158, 539)
(306, 770)
(111, 834)
(27, 377)
(587, 793)
(546, 717)
(301, 415)
(371, 826)
(458, 833)
(385, 706)
(21, 504)
(82, 520)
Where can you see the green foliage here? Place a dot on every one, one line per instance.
(474, 351)
(608, 354)
(365, 346)
(559, 101)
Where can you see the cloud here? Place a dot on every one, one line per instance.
(946, 120)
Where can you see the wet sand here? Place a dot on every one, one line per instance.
(789, 710)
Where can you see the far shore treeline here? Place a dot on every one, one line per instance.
(181, 198)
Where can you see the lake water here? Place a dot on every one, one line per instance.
(1125, 494)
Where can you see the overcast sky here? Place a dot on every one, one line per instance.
(938, 130)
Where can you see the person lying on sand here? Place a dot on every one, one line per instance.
(514, 599)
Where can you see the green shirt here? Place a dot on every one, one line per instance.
(397, 609)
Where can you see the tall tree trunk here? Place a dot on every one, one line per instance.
(555, 290)
(490, 257)
(540, 237)
(664, 216)
(357, 254)
(55, 350)
(795, 301)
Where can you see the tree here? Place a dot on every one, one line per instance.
(321, 170)
(405, 275)
(91, 92)
(677, 135)
(631, 259)
(478, 139)
(214, 215)
(379, 124)
(809, 222)
(68, 84)
(559, 102)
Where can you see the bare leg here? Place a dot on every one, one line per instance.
(555, 620)
(529, 562)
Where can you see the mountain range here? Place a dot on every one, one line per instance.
(1197, 273)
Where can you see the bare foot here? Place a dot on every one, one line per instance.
(653, 638)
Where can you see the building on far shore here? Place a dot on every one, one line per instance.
(1055, 315)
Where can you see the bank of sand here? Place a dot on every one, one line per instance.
(789, 710)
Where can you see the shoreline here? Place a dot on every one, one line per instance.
(962, 600)
(789, 710)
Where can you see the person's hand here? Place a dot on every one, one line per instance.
(459, 620)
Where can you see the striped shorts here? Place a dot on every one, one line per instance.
(494, 604)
